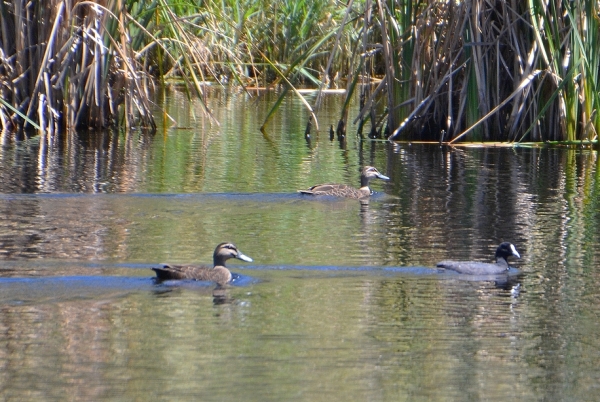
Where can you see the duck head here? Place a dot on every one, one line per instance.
(368, 173)
(225, 251)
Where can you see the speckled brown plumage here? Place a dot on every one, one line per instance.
(218, 273)
(342, 190)
(338, 190)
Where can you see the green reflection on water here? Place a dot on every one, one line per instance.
(292, 337)
(237, 157)
(323, 332)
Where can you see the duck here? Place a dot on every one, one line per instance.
(342, 190)
(218, 273)
(503, 251)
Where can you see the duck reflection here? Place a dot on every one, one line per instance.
(221, 296)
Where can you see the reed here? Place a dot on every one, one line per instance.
(93, 63)
(430, 70)
(497, 71)
(67, 65)
(476, 70)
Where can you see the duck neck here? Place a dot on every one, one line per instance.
(218, 261)
(364, 182)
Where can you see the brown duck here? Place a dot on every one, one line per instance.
(218, 273)
(342, 190)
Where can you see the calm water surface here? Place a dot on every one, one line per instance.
(340, 303)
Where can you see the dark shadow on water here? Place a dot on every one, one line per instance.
(236, 280)
(510, 281)
(9, 268)
(168, 288)
(42, 289)
(420, 271)
(221, 296)
(16, 291)
(258, 197)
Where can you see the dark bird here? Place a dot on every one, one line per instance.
(503, 251)
(342, 190)
(218, 273)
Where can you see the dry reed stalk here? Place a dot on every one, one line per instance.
(483, 71)
(69, 65)
(451, 71)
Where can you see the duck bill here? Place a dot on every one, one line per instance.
(514, 251)
(382, 177)
(243, 257)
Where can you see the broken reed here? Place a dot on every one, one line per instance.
(490, 71)
(431, 70)
(70, 65)
(92, 64)
(475, 70)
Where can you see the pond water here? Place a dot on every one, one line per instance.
(340, 302)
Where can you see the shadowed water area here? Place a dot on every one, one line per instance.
(341, 301)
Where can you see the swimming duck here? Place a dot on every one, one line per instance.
(218, 273)
(503, 251)
(342, 190)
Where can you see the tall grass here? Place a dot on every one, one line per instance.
(444, 71)
(67, 65)
(479, 70)
(476, 70)
(501, 71)
(72, 64)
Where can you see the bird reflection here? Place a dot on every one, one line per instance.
(221, 296)
(510, 283)
(368, 216)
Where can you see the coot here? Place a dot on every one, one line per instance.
(503, 251)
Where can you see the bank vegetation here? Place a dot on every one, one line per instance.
(431, 70)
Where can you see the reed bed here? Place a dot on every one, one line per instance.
(487, 70)
(478, 70)
(68, 65)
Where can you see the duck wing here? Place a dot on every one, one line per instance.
(320, 189)
(336, 190)
(197, 272)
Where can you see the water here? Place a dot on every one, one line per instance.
(340, 303)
